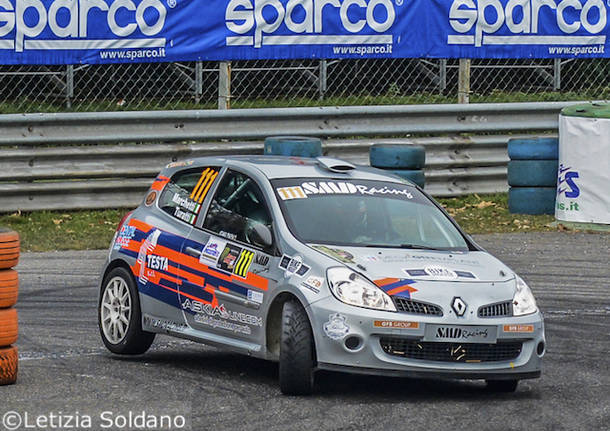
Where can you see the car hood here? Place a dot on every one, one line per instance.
(420, 265)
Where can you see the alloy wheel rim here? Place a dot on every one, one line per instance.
(116, 310)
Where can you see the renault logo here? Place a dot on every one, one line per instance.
(458, 306)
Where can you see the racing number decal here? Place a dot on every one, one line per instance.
(203, 185)
(243, 263)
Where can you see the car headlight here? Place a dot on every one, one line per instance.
(523, 301)
(351, 288)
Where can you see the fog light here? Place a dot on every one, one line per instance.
(540, 349)
(353, 342)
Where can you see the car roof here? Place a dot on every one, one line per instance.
(277, 167)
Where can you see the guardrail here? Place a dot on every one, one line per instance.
(79, 161)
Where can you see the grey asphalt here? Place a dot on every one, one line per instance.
(64, 367)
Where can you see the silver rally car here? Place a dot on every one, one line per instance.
(316, 264)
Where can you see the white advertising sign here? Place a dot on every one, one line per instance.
(583, 185)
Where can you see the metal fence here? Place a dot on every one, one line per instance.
(86, 160)
(292, 83)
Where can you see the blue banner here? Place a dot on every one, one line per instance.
(123, 31)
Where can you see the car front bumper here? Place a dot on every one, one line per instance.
(350, 338)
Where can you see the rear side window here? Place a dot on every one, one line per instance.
(184, 193)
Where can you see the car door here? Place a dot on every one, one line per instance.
(233, 262)
(158, 269)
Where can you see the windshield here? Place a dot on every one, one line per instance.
(364, 213)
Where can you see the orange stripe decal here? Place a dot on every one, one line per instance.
(201, 178)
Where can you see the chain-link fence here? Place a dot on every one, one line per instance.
(267, 83)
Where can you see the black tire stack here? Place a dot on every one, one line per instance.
(532, 175)
(294, 146)
(406, 161)
(9, 325)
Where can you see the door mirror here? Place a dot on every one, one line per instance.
(259, 235)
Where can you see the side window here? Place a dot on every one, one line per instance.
(237, 207)
(183, 195)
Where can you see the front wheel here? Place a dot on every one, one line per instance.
(502, 385)
(119, 315)
(296, 351)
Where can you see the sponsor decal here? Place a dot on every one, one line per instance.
(164, 324)
(181, 164)
(443, 260)
(124, 237)
(433, 271)
(302, 21)
(345, 188)
(476, 23)
(284, 262)
(395, 324)
(212, 250)
(336, 328)
(313, 283)
(519, 328)
(440, 273)
(228, 235)
(336, 253)
(255, 296)
(261, 259)
(66, 25)
(288, 193)
(457, 333)
(157, 262)
(150, 198)
(148, 245)
(371, 258)
(243, 263)
(293, 265)
(203, 185)
(221, 312)
(228, 258)
(566, 185)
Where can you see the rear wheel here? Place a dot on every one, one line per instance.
(120, 317)
(296, 351)
(502, 385)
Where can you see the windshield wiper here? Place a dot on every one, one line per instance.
(407, 246)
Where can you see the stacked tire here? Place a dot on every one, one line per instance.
(406, 161)
(9, 286)
(532, 175)
(294, 146)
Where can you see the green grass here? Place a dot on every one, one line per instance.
(284, 101)
(65, 230)
(478, 214)
(90, 230)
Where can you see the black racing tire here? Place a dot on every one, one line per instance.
(505, 386)
(415, 176)
(294, 146)
(533, 149)
(296, 351)
(532, 173)
(397, 156)
(531, 200)
(134, 340)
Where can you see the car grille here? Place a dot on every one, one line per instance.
(450, 352)
(501, 309)
(416, 307)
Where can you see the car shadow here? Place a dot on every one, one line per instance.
(211, 363)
